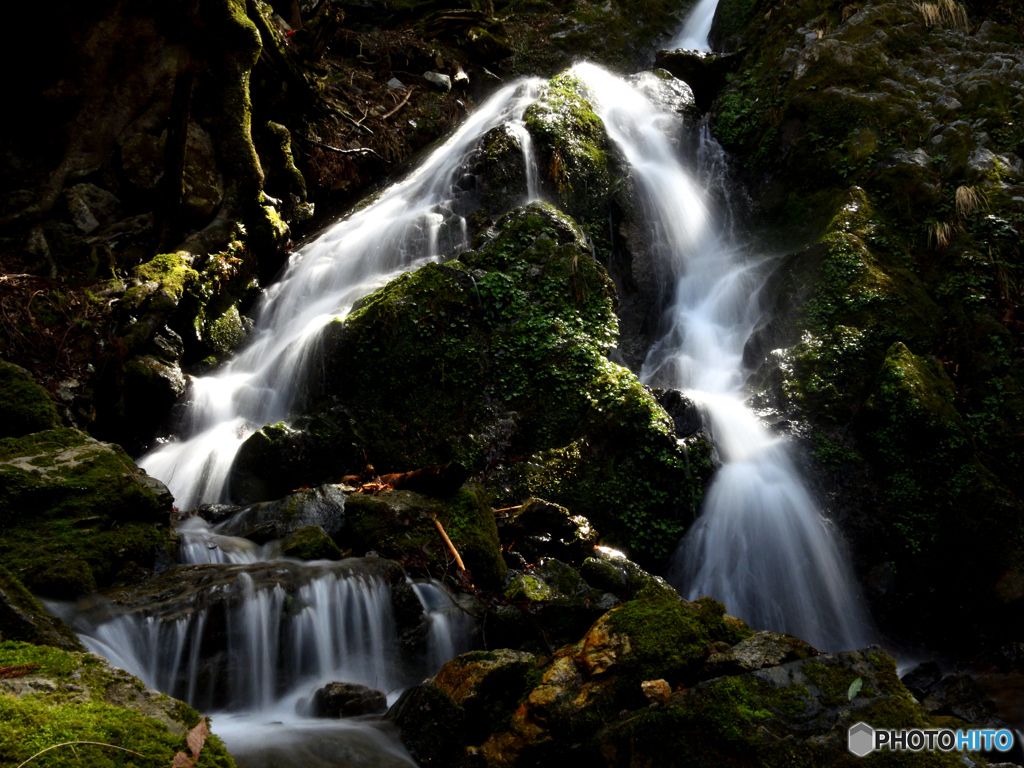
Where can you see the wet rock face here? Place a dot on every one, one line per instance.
(322, 507)
(705, 73)
(431, 725)
(348, 700)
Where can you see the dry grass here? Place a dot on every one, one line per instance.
(944, 13)
(940, 233)
(969, 200)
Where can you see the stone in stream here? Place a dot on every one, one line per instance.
(348, 700)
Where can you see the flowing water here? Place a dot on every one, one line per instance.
(419, 220)
(694, 34)
(251, 635)
(760, 546)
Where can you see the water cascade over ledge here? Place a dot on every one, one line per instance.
(761, 545)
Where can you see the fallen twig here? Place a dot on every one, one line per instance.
(401, 104)
(72, 743)
(356, 151)
(451, 547)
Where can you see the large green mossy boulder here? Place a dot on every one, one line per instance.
(25, 406)
(77, 697)
(496, 360)
(76, 513)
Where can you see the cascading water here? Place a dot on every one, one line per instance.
(412, 222)
(760, 546)
(694, 34)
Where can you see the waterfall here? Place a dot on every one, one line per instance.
(694, 34)
(760, 546)
(411, 223)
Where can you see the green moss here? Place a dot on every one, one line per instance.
(24, 405)
(572, 146)
(33, 722)
(310, 543)
(668, 637)
(172, 272)
(75, 512)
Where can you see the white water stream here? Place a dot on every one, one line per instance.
(694, 34)
(418, 220)
(761, 546)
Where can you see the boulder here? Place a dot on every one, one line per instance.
(91, 207)
(77, 513)
(541, 529)
(322, 507)
(487, 685)
(310, 543)
(704, 72)
(431, 725)
(24, 405)
(763, 649)
(348, 700)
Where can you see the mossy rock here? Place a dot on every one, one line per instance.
(488, 685)
(500, 353)
(668, 638)
(310, 543)
(78, 697)
(23, 618)
(784, 715)
(24, 405)
(398, 524)
(577, 167)
(76, 512)
(431, 725)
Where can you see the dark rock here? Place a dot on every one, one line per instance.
(322, 507)
(542, 529)
(310, 542)
(91, 207)
(685, 413)
(960, 696)
(217, 513)
(920, 680)
(25, 406)
(705, 73)
(348, 700)
(23, 618)
(431, 725)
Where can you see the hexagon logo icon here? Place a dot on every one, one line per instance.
(860, 739)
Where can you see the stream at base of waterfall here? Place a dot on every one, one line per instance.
(251, 635)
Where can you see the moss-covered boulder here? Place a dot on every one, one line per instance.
(488, 685)
(78, 513)
(310, 543)
(431, 725)
(24, 405)
(499, 355)
(573, 148)
(401, 524)
(59, 696)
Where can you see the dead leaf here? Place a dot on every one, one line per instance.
(197, 737)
